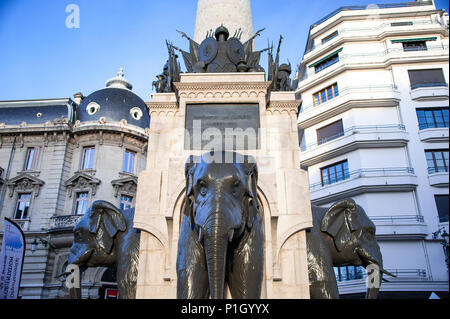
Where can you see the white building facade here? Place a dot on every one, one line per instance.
(373, 126)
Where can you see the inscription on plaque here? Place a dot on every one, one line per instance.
(222, 127)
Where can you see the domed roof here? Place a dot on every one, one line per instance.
(114, 103)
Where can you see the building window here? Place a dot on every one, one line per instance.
(442, 207)
(432, 117)
(88, 157)
(335, 173)
(326, 94)
(128, 163)
(415, 46)
(327, 62)
(126, 202)
(437, 161)
(81, 203)
(426, 78)
(330, 132)
(401, 24)
(31, 160)
(348, 273)
(329, 37)
(23, 206)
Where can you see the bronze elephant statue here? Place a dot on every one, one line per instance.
(221, 239)
(341, 235)
(105, 237)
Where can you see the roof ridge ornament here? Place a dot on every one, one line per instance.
(119, 81)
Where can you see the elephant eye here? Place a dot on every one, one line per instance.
(202, 186)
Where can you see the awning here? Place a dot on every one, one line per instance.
(414, 40)
(325, 57)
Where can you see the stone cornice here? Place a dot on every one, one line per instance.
(227, 86)
(162, 105)
(280, 106)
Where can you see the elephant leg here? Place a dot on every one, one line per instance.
(192, 274)
(245, 268)
(322, 279)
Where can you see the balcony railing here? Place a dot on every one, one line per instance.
(424, 126)
(349, 90)
(437, 169)
(64, 222)
(396, 219)
(382, 26)
(367, 172)
(352, 57)
(428, 85)
(420, 274)
(353, 130)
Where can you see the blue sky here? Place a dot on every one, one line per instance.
(41, 58)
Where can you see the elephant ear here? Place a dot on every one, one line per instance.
(189, 168)
(251, 170)
(105, 221)
(340, 221)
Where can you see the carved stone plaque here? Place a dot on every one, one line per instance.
(222, 127)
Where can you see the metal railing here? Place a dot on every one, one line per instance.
(423, 126)
(366, 172)
(428, 85)
(395, 219)
(65, 221)
(352, 56)
(437, 169)
(353, 130)
(343, 31)
(400, 273)
(348, 90)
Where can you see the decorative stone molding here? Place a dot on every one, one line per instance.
(25, 182)
(222, 86)
(66, 221)
(283, 107)
(126, 185)
(82, 181)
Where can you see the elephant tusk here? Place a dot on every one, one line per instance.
(200, 234)
(230, 235)
(387, 273)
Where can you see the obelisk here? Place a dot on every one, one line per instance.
(233, 14)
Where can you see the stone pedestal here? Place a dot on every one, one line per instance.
(282, 186)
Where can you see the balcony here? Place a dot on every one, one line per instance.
(381, 59)
(433, 133)
(364, 181)
(429, 91)
(349, 97)
(23, 223)
(381, 31)
(407, 279)
(438, 176)
(65, 222)
(369, 136)
(399, 226)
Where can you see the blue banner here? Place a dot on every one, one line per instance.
(11, 260)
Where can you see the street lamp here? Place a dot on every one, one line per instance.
(444, 241)
(35, 243)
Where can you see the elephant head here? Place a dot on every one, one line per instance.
(221, 204)
(94, 236)
(353, 240)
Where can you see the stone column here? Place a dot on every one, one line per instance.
(233, 14)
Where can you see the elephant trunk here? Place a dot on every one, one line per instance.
(216, 250)
(217, 232)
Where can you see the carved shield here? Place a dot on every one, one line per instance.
(235, 50)
(208, 50)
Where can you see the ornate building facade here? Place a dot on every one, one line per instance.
(57, 157)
